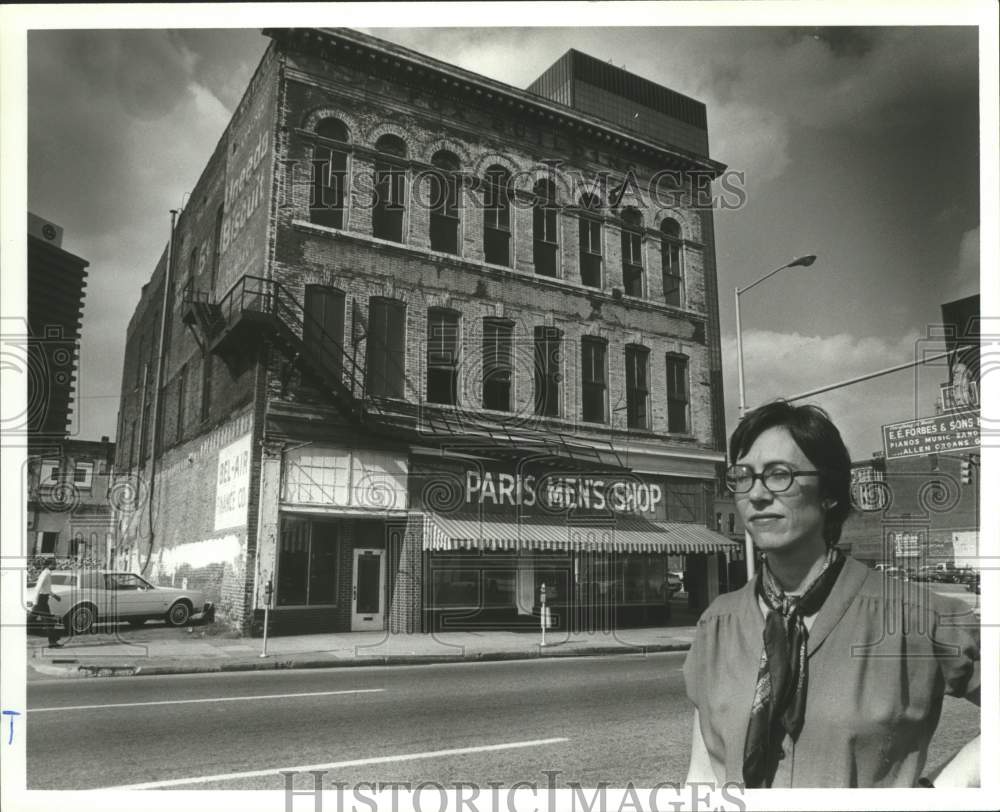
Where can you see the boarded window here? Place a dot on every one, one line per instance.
(323, 330)
(386, 361)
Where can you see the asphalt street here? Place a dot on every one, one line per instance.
(587, 720)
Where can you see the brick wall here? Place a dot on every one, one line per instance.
(406, 590)
(363, 267)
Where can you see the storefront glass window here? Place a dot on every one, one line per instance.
(307, 563)
(323, 563)
(473, 582)
(293, 563)
(645, 579)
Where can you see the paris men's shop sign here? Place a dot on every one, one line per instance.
(958, 431)
(556, 493)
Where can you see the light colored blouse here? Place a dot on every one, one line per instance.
(882, 655)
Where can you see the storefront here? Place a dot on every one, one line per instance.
(340, 524)
(604, 546)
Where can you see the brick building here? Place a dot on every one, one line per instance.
(68, 508)
(921, 507)
(429, 342)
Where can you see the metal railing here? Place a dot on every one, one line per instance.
(340, 371)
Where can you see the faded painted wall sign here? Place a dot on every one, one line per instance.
(232, 482)
(249, 158)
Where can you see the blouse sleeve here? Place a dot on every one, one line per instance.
(956, 646)
(694, 666)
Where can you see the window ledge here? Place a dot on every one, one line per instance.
(502, 272)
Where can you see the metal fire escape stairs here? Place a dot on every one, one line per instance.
(256, 309)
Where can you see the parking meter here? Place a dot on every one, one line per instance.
(268, 590)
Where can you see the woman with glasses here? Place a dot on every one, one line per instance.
(820, 672)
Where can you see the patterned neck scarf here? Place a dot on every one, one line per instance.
(779, 701)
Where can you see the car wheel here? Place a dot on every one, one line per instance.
(81, 620)
(179, 614)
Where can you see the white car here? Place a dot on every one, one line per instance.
(87, 597)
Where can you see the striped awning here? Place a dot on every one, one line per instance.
(631, 535)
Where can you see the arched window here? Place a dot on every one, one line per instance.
(670, 259)
(496, 216)
(329, 177)
(444, 202)
(677, 393)
(632, 270)
(442, 356)
(546, 240)
(591, 254)
(390, 188)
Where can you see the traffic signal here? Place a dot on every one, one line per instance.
(966, 471)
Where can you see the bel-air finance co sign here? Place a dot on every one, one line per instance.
(232, 481)
(957, 431)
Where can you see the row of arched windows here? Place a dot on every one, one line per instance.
(330, 184)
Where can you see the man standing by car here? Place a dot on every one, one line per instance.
(44, 594)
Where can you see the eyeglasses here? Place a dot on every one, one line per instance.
(776, 478)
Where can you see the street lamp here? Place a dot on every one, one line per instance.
(803, 262)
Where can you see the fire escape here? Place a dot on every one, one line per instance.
(257, 309)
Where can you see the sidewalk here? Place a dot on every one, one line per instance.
(158, 650)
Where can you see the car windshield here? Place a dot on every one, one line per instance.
(63, 578)
(123, 581)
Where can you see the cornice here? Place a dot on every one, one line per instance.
(345, 45)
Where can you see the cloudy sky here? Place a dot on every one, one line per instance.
(859, 145)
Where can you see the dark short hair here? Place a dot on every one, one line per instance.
(814, 432)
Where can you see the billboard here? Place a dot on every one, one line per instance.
(958, 431)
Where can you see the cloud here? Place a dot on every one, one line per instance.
(789, 364)
(120, 127)
(963, 280)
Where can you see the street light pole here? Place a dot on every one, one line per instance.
(804, 262)
(739, 356)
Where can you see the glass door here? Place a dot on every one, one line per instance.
(368, 604)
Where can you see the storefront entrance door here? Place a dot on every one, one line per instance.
(367, 604)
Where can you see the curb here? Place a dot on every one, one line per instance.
(276, 664)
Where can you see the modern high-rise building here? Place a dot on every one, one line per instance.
(422, 342)
(56, 282)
